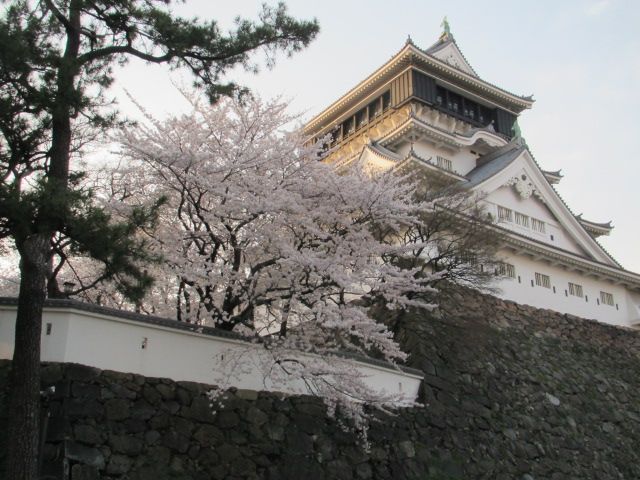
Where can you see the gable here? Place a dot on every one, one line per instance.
(531, 217)
(517, 178)
(451, 55)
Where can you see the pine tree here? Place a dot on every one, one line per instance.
(56, 64)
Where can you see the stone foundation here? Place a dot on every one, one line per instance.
(511, 392)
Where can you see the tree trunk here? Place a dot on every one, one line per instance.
(35, 260)
(24, 402)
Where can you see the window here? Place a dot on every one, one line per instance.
(522, 220)
(386, 100)
(454, 102)
(444, 163)
(469, 258)
(347, 127)
(375, 108)
(538, 225)
(336, 136)
(507, 270)
(361, 117)
(505, 214)
(459, 106)
(543, 280)
(606, 298)
(575, 290)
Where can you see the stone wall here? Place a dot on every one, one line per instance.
(510, 392)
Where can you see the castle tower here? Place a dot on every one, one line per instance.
(430, 107)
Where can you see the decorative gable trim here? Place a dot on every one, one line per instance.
(525, 188)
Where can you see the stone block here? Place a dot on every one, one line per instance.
(51, 374)
(117, 409)
(250, 395)
(255, 416)
(81, 373)
(167, 391)
(242, 467)
(87, 434)
(151, 394)
(174, 441)
(119, 465)
(208, 435)
(201, 411)
(81, 408)
(84, 472)
(143, 410)
(85, 391)
(158, 456)
(406, 449)
(227, 420)
(126, 444)
(84, 455)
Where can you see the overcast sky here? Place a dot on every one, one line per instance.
(580, 60)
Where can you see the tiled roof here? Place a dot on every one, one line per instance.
(493, 163)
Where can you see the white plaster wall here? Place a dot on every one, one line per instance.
(53, 346)
(463, 160)
(522, 292)
(534, 208)
(114, 343)
(633, 306)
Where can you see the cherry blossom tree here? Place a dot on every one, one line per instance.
(261, 237)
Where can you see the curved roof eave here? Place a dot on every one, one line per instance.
(454, 139)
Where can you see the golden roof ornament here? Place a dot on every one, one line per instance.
(446, 28)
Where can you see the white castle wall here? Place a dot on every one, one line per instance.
(113, 343)
(625, 311)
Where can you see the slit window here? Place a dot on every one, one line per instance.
(507, 270)
(522, 220)
(606, 298)
(538, 225)
(543, 280)
(505, 214)
(444, 163)
(575, 290)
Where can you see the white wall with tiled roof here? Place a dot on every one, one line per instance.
(125, 342)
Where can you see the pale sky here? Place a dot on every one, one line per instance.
(580, 60)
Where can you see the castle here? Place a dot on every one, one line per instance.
(430, 107)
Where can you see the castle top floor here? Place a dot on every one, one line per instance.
(438, 77)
